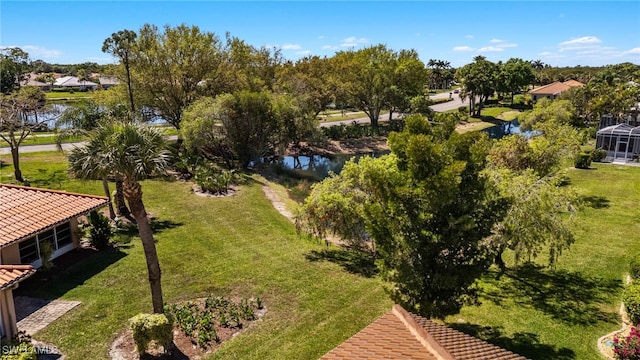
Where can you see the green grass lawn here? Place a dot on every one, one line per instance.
(42, 139)
(241, 246)
(65, 95)
(560, 313)
(229, 246)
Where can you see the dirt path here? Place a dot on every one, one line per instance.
(277, 202)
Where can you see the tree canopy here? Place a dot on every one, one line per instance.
(425, 209)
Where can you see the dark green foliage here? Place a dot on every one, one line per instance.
(100, 230)
(582, 160)
(199, 322)
(147, 327)
(598, 155)
(425, 210)
(634, 268)
(631, 300)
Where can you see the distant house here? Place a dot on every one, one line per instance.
(74, 82)
(553, 90)
(402, 335)
(31, 81)
(29, 217)
(108, 81)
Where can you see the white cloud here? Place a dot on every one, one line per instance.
(303, 52)
(550, 55)
(490, 49)
(632, 51)
(291, 47)
(495, 41)
(584, 42)
(462, 48)
(327, 47)
(469, 36)
(353, 41)
(37, 52)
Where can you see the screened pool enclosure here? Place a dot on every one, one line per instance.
(621, 141)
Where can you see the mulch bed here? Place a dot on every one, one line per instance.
(124, 348)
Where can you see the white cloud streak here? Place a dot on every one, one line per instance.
(291, 47)
(462, 48)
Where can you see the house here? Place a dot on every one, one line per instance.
(399, 334)
(74, 82)
(553, 90)
(29, 217)
(108, 81)
(30, 80)
(10, 276)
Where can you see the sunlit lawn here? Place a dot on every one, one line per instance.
(560, 313)
(226, 246)
(240, 245)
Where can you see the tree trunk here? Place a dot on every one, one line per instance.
(121, 206)
(390, 114)
(375, 114)
(499, 261)
(15, 156)
(105, 186)
(133, 193)
(131, 102)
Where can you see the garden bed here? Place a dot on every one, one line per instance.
(201, 326)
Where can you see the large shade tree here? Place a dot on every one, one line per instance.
(426, 208)
(14, 65)
(122, 44)
(171, 66)
(479, 81)
(134, 153)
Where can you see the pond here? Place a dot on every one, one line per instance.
(506, 128)
(319, 166)
(316, 166)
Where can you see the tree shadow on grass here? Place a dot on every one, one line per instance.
(595, 201)
(157, 226)
(569, 296)
(354, 261)
(522, 343)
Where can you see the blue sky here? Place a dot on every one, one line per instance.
(587, 33)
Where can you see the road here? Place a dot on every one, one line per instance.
(450, 105)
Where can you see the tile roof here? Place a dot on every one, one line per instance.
(26, 211)
(72, 81)
(401, 335)
(556, 87)
(12, 274)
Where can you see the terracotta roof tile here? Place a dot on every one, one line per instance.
(26, 211)
(402, 335)
(555, 88)
(11, 274)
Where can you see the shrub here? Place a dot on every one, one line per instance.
(18, 348)
(46, 251)
(463, 109)
(634, 268)
(100, 231)
(582, 160)
(598, 155)
(631, 299)
(629, 347)
(147, 327)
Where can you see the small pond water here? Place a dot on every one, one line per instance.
(319, 166)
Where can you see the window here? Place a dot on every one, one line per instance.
(28, 251)
(63, 235)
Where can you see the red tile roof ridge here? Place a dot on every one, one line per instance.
(428, 341)
(51, 191)
(16, 267)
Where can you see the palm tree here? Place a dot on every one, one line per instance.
(134, 153)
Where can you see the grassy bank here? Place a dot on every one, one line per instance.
(229, 246)
(315, 298)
